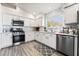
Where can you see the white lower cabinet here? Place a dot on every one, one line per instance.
(29, 36)
(39, 37)
(6, 40)
(52, 41)
(47, 39)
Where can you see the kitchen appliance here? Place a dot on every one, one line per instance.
(78, 40)
(66, 30)
(78, 33)
(65, 44)
(18, 33)
(17, 23)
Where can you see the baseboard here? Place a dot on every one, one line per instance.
(29, 41)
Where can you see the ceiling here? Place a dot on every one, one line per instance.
(39, 8)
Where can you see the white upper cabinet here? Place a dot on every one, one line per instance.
(7, 19)
(22, 18)
(38, 22)
(26, 22)
(32, 23)
(15, 17)
(70, 14)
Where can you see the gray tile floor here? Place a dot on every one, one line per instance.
(45, 50)
(33, 48)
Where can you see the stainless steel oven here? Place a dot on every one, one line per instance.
(18, 37)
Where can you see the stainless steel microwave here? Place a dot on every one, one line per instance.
(18, 23)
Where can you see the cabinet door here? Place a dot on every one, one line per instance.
(70, 14)
(36, 36)
(22, 18)
(29, 36)
(26, 22)
(52, 41)
(43, 38)
(15, 17)
(32, 23)
(6, 40)
(38, 22)
(40, 37)
(7, 19)
(47, 39)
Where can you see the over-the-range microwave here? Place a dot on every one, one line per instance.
(17, 22)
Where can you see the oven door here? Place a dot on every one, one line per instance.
(18, 38)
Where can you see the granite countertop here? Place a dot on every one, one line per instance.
(42, 32)
(66, 34)
(53, 33)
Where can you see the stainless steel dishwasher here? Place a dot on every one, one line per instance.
(65, 44)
